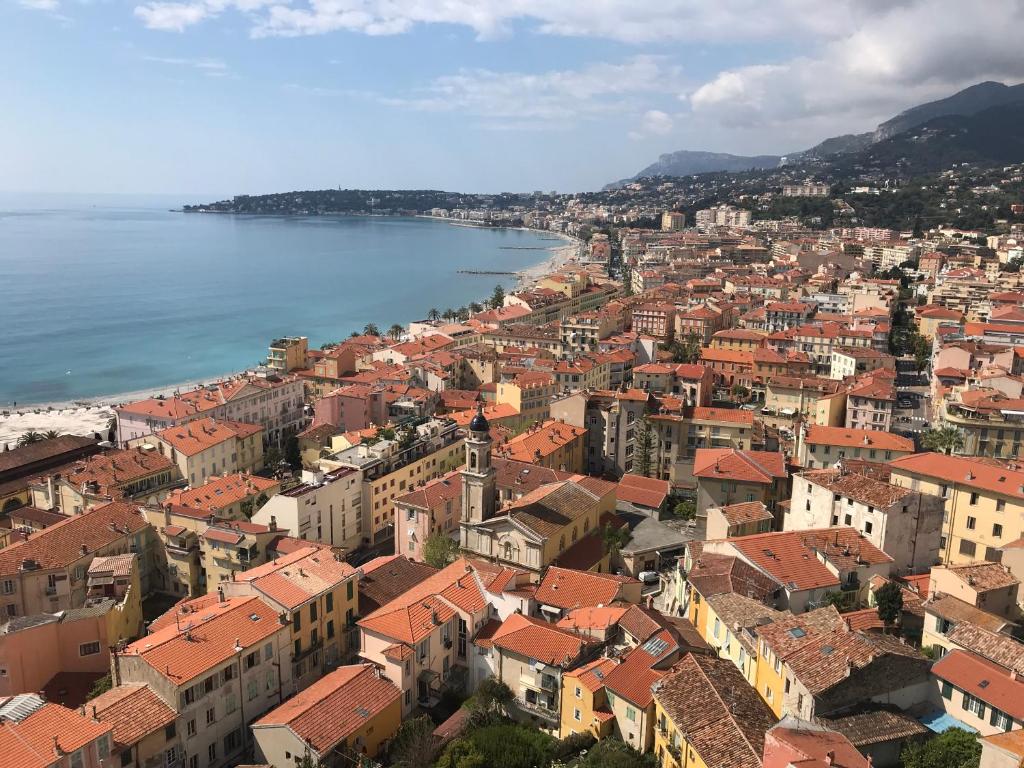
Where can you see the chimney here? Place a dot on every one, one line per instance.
(220, 594)
(57, 751)
(830, 757)
(273, 523)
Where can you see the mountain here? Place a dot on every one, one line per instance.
(990, 137)
(687, 162)
(969, 101)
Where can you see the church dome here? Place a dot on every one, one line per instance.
(479, 423)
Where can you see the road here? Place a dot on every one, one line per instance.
(913, 386)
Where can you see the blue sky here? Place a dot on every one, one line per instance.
(246, 96)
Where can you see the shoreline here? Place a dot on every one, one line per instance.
(89, 414)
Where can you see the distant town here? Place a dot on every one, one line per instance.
(732, 481)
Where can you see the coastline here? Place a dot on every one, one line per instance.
(91, 414)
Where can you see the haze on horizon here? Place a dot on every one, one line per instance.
(254, 96)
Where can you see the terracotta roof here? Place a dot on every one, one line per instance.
(723, 717)
(179, 612)
(565, 588)
(641, 623)
(791, 557)
(114, 469)
(790, 633)
(592, 618)
(984, 577)
(740, 466)
(541, 441)
(858, 438)
(294, 579)
(1009, 741)
(536, 639)
(548, 509)
(181, 656)
(738, 610)
(643, 491)
(828, 659)
(714, 574)
(197, 436)
(633, 678)
(863, 620)
(858, 487)
(1002, 649)
(746, 512)
(875, 725)
(61, 544)
(116, 565)
(29, 742)
(385, 578)
(956, 610)
(37, 517)
(220, 492)
(437, 494)
(592, 674)
(733, 415)
(133, 710)
(810, 746)
(334, 707)
(981, 678)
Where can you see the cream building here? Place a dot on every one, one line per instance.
(325, 507)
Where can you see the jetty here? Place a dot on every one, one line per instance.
(482, 272)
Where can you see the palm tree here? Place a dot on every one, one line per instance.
(396, 331)
(947, 440)
(30, 437)
(433, 314)
(370, 329)
(448, 314)
(476, 306)
(50, 434)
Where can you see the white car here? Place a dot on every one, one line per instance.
(648, 577)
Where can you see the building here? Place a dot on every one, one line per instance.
(795, 742)
(822, 446)
(48, 571)
(145, 729)
(990, 587)
(729, 476)
(723, 216)
(979, 695)
(585, 701)
(853, 361)
(352, 708)
(903, 523)
(206, 447)
(20, 464)
(707, 715)
(37, 734)
(743, 519)
(984, 502)
(657, 320)
(673, 221)
(232, 496)
(220, 668)
(316, 591)
(807, 189)
(611, 422)
(325, 507)
(288, 353)
(553, 444)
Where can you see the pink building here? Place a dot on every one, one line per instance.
(798, 742)
(35, 734)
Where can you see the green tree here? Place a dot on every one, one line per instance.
(954, 748)
(612, 753)
(101, 686)
(462, 753)
(476, 306)
(498, 297)
(414, 744)
(889, 599)
(50, 434)
(433, 315)
(502, 745)
(27, 438)
(643, 454)
(440, 550)
(272, 457)
(921, 350)
(740, 392)
(292, 454)
(918, 229)
(396, 331)
(946, 440)
(685, 510)
(686, 350)
(492, 696)
(371, 329)
(614, 539)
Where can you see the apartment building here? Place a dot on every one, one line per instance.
(317, 592)
(673, 221)
(288, 354)
(530, 393)
(38, 734)
(228, 496)
(691, 382)
(611, 420)
(242, 671)
(657, 320)
(905, 524)
(145, 729)
(325, 507)
(553, 444)
(991, 424)
(984, 502)
(206, 447)
(581, 333)
(729, 476)
(680, 434)
(822, 446)
(228, 548)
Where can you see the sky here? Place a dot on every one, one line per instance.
(224, 97)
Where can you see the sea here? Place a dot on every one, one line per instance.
(103, 295)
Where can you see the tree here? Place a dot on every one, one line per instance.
(739, 391)
(493, 696)
(501, 745)
(953, 748)
(946, 440)
(476, 306)
(614, 539)
(686, 350)
(440, 550)
(272, 457)
(50, 434)
(292, 454)
(27, 438)
(685, 510)
(396, 331)
(370, 329)
(414, 744)
(918, 229)
(433, 315)
(889, 599)
(643, 456)
(101, 686)
(498, 297)
(612, 753)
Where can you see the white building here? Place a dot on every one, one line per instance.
(325, 507)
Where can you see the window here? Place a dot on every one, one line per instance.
(579, 692)
(170, 732)
(312, 611)
(298, 648)
(631, 714)
(349, 588)
(329, 602)
(787, 685)
(967, 547)
(973, 704)
(716, 628)
(577, 716)
(211, 752)
(1000, 720)
(947, 690)
(193, 762)
(211, 716)
(971, 523)
(997, 530)
(1000, 505)
(252, 659)
(253, 689)
(190, 728)
(126, 758)
(330, 629)
(847, 519)
(297, 621)
(8, 587)
(867, 526)
(268, 651)
(974, 498)
(88, 649)
(77, 759)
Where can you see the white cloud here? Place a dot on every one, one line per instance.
(654, 122)
(209, 67)
(172, 17)
(552, 99)
(40, 5)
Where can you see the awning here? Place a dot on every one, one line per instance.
(939, 721)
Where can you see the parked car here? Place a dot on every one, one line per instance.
(648, 577)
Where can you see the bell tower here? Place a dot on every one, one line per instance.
(478, 481)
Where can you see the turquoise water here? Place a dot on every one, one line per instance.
(115, 296)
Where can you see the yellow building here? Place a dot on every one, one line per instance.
(530, 394)
(229, 497)
(206, 448)
(729, 625)
(319, 721)
(554, 445)
(317, 592)
(984, 502)
(584, 702)
(228, 548)
(706, 716)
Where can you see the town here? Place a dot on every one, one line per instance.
(735, 484)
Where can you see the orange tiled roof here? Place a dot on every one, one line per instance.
(993, 684)
(858, 438)
(965, 471)
(298, 577)
(591, 675)
(645, 491)
(29, 742)
(536, 639)
(566, 588)
(743, 466)
(334, 707)
(220, 492)
(133, 710)
(197, 436)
